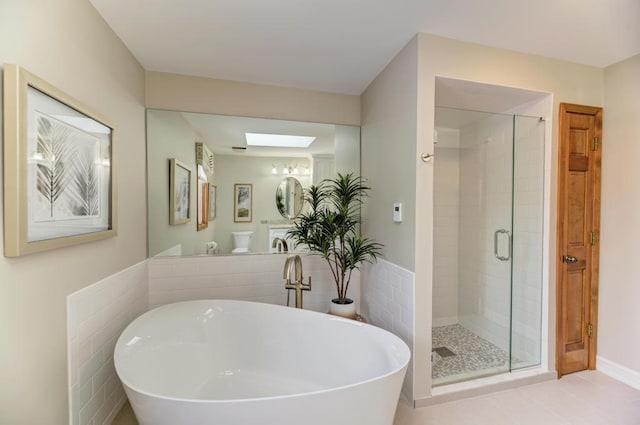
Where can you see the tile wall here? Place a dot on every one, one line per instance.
(445, 228)
(240, 277)
(388, 301)
(96, 315)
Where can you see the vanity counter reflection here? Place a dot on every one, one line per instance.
(246, 185)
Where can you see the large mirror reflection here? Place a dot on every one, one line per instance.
(255, 171)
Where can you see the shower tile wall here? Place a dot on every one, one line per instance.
(445, 228)
(388, 301)
(240, 277)
(96, 315)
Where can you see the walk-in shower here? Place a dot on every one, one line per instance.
(488, 243)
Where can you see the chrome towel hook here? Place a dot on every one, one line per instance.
(426, 157)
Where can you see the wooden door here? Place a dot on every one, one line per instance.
(579, 165)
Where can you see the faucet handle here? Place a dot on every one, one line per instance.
(306, 287)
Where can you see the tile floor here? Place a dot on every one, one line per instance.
(584, 398)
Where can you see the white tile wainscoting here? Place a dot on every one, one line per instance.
(388, 301)
(96, 315)
(248, 277)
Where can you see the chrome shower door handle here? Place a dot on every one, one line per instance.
(495, 244)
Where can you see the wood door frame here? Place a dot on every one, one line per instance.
(596, 161)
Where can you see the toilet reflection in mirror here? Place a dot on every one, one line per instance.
(241, 242)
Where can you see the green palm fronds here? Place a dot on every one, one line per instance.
(330, 227)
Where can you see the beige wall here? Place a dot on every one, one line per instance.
(389, 125)
(436, 56)
(66, 43)
(568, 82)
(197, 94)
(619, 322)
(171, 136)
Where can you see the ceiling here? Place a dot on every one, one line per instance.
(222, 133)
(341, 45)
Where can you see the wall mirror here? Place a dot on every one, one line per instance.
(242, 164)
(289, 197)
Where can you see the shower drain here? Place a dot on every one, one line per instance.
(444, 352)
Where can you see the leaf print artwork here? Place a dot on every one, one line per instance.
(67, 176)
(54, 154)
(61, 175)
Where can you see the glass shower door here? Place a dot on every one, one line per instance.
(528, 203)
(473, 176)
(488, 244)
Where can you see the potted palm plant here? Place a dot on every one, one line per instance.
(330, 228)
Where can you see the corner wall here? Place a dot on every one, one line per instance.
(618, 319)
(400, 127)
(389, 132)
(567, 82)
(67, 43)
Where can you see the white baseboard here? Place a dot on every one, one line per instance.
(619, 372)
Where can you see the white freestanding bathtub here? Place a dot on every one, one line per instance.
(239, 363)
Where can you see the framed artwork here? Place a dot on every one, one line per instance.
(212, 202)
(59, 168)
(242, 193)
(179, 192)
(202, 200)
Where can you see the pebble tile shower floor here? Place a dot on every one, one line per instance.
(474, 356)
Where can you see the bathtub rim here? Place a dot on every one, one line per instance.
(350, 322)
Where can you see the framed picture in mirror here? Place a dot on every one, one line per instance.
(242, 208)
(179, 192)
(212, 202)
(202, 201)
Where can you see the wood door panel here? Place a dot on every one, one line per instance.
(574, 306)
(578, 140)
(576, 200)
(579, 162)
